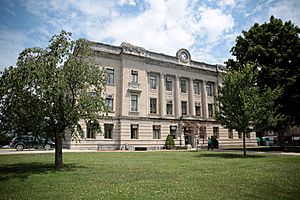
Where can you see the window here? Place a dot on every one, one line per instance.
(108, 129)
(90, 130)
(198, 109)
(173, 131)
(134, 131)
(230, 133)
(109, 102)
(169, 108)
(183, 108)
(202, 132)
(216, 131)
(153, 83)
(156, 131)
(240, 135)
(110, 76)
(196, 87)
(153, 105)
(183, 86)
(247, 135)
(134, 103)
(134, 76)
(168, 84)
(210, 110)
(209, 89)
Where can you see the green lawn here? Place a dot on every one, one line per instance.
(151, 175)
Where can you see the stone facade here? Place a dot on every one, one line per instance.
(152, 95)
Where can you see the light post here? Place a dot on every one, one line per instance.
(180, 130)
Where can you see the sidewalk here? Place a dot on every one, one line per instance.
(33, 151)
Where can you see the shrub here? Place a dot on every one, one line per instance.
(181, 147)
(215, 141)
(170, 144)
(140, 148)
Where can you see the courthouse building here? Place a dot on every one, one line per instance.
(152, 95)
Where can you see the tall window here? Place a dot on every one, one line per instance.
(216, 131)
(247, 135)
(198, 109)
(230, 133)
(110, 76)
(169, 108)
(134, 131)
(134, 103)
(108, 130)
(90, 130)
(183, 86)
(240, 135)
(153, 105)
(210, 110)
(196, 87)
(209, 89)
(173, 131)
(156, 131)
(109, 101)
(168, 84)
(134, 76)
(183, 108)
(153, 82)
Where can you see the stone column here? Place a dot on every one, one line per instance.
(162, 95)
(177, 97)
(215, 85)
(204, 100)
(191, 98)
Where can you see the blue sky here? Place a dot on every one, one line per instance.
(207, 28)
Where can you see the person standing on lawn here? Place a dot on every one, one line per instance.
(210, 144)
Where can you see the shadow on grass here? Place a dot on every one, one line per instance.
(228, 155)
(24, 170)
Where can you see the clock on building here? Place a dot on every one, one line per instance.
(183, 55)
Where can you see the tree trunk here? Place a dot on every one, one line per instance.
(244, 143)
(58, 152)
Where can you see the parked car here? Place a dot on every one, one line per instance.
(28, 142)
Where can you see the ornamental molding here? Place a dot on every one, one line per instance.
(182, 61)
(131, 49)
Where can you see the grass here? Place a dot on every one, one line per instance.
(150, 175)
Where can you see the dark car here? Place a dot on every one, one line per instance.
(28, 142)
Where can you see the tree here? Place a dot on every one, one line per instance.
(51, 89)
(242, 106)
(275, 48)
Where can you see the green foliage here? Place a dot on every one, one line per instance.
(170, 144)
(242, 105)
(51, 89)
(275, 49)
(215, 141)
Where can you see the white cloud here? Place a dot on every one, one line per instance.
(224, 3)
(286, 10)
(128, 2)
(157, 25)
(167, 27)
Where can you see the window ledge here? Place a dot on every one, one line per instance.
(133, 113)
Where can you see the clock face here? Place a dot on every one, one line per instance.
(184, 57)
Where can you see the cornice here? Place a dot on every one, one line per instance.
(131, 52)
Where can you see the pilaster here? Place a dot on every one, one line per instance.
(204, 100)
(162, 96)
(191, 97)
